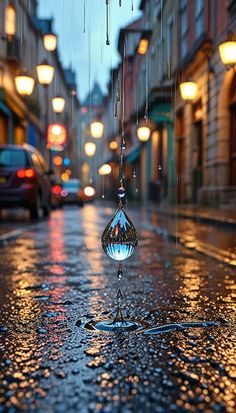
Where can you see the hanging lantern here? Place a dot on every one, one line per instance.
(24, 84)
(45, 73)
(143, 133)
(188, 90)
(10, 20)
(58, 104)
(105, 169)
(97, 129)
(113, 145)
(90, 148)
(227, 52)
(56, 135)
(50, 41)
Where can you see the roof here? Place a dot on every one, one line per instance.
(95, 97)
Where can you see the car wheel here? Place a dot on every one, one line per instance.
(47, 209)
(35, 209)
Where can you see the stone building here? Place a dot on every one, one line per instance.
(22, 119)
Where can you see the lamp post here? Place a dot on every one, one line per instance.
(143, 133)
(50, 41)
(97, 128)
(45, 73)
(188, 90)
(90, 149)
(58, 104)
(227, 51)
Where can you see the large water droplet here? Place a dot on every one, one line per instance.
(120, 237)
(121, 192)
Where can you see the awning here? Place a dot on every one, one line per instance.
(132, 154)
(161, 112)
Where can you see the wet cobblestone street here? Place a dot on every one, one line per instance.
(56, 277)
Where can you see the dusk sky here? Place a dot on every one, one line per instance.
(74, 44)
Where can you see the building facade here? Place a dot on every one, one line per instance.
(22, 119)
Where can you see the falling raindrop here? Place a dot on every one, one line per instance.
(119, 296)
(120, 238)
(107, 23)
(120, 272)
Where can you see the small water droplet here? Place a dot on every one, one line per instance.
(134, 174)
(103, 196)
(159, 167)
(123, 145)
(121, 192)
(119, 296)
(119, 238)
(120, 272)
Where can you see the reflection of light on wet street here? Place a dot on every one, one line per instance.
(56, 278)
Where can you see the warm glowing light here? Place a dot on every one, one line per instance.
(56, 134)
(143, 133)
(24, 84)
(45, 73)
(58, 104)
(65, 177)
(50, 41)
(113, 145)
(143, 46)
(105, 169)
(227, 52)
(10, 20)
(188, 90)
(89, 191)
(90, 148)
(96, 129)
(68, 171)
(57, 160)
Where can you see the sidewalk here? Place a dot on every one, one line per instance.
(218, 216)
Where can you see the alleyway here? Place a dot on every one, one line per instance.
(55, 277)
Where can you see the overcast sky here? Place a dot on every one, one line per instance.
(75, 46)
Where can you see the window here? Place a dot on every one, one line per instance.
(184, 27)
(199, 17)
(10, 20)
(13, 158)
(169, 42)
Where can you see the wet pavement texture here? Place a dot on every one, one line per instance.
(56, 277)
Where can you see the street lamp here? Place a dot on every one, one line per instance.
(97, 128)
(188, 90)
(143, 46)
(45, 73)
(10, 21)
(24, 83)
(90, 148)
(105, 169)
(227, 52)
(58, 104)
(143, 133)
(113, 145)
(50, 41)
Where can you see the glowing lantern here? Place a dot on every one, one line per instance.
(227, 52)
(90, 148)
(89, 191)
(57, 160)
(50, 41)
(56, 135)
(143, 133)
(24, 84)
(188, 90)
(58, 104)
(96, 129)
(10, 20)
(45, 73)
(143, 46)
(105, 169)
(113, 145)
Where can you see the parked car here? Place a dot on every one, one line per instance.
(24, 179)
(71, 192)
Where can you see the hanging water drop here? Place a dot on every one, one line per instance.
(103, 196)
(120, 272)
(123, 145)
(159, 167)
(134, 174)
(121, 192)
(120, 238)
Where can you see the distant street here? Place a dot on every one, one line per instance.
(55, 277)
